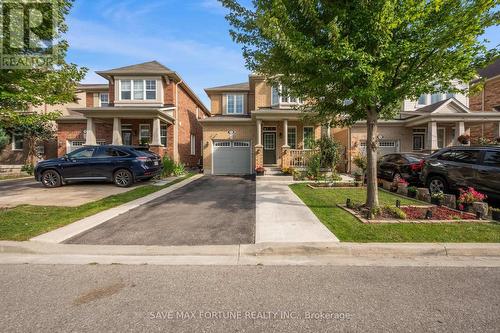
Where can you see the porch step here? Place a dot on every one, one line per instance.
(273, 171)
(276, 178)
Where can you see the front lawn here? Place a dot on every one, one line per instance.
(26, 221)
(348, 229)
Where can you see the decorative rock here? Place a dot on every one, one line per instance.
(450, 200)
(423, 194)
(403, 190)
(386, 185)
(481, 208)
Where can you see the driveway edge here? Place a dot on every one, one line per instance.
(77, 227)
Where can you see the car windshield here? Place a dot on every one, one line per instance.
(145, 153)
(414, 158)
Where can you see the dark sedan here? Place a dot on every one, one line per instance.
(407, 166)
(122, 165)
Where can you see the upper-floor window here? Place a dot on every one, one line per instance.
(17, 142)
(104, 99)
(280, 95)
(234, 104)
(422, 100)
(138, 90)
(436, 97)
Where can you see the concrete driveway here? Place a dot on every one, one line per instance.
(28, 191)
(208, 211)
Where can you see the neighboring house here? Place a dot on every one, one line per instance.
(142, 104)
(253, 125)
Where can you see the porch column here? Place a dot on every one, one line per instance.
(285, 133)
(432, 138)
(459, 130)
(259, 133)
(90, 138)
(156, 141)
(117, 131)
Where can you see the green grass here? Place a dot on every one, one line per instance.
(25, 221)
(347, 228)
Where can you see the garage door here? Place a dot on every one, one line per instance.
(386, 147)
(231, 158)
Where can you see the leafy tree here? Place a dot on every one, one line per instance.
(4, 139)
(358, 60)
(23, 89)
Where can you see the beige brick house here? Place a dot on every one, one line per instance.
(142, 104)
(254, 124)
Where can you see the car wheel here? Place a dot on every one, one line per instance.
(51, 178)
(437, 184)
(396, 178)
(123, 178)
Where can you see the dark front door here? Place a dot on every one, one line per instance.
(269, 140)
(127, 137)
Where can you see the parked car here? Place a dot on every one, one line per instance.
(450, 169)
(396, 166)
(122, 165)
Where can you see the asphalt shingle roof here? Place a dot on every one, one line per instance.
(232, 87)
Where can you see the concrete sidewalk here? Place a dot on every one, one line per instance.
(282, 217)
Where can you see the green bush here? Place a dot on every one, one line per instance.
(4, 139)
(28, 168)
(314, 166)
(179, 169)
(168, 166)
(395, 211)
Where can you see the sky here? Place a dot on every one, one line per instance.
(190, 37)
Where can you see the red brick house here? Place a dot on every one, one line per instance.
(142, 104)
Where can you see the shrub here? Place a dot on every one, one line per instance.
(4, 139)
(439, 195)
(168, 166)
(314, 166)
(412, 189)
(28, 168)
(179, 169)
(470, 195)
(395, 211)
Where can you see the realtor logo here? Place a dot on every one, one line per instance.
(27, 30)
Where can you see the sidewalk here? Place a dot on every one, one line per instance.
(282, 217)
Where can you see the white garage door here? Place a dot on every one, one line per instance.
(231, 158)
(386, 147)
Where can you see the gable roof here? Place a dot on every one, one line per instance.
(93, 86)
(150, 67)
(491, 70)
(436, 107)
(231, 87)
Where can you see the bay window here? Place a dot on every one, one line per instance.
(234, 104)
(138, 90)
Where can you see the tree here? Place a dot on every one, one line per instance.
(358, 60)
(23, 89)
(4, 139)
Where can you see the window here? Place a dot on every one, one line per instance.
(292, 137)
(151, 89)
(422, 100)
(461, 156)
(138, 90)
(441, 137)
(436, 97)
(280, 95)
(418, 141)
(450, 95)
(125, 90)
(163, 135)
(104, 99)
(308, 137)
(492, 158)
(144, 134)
(17, 142)
(110, 152)
(234, 104)
(241, 144)
(275, 96)
(82, 153)
(193, 144)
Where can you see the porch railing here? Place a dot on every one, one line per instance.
(299, 158)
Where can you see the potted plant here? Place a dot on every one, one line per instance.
(412, 191)
(464, 139)
(358, 176)
(437, 198)
(468, 197)
(361, 162)
(260, 170)
(495, 214)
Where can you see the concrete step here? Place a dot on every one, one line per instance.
(276, 177)
(273, 171)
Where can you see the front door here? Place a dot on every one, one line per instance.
(269, 140)
(127, 137)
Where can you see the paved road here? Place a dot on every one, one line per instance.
(208, 211)
(118, 298)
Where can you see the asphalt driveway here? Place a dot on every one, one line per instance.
(208, 211)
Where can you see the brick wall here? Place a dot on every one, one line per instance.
(169, 92)
(491, 95)
(188, 124)
(111, 93)
(89, 99)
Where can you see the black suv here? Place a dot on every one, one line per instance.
(460, 167)
(122, 165)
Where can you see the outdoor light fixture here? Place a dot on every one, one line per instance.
(428, 214)
(398, 203)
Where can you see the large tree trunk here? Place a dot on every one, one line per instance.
(371, 156)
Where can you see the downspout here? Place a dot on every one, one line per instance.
(176, 125)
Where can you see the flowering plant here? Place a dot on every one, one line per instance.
(260, 169)
(403, 182)
(464, 139)
(439, 195)
(470, 195)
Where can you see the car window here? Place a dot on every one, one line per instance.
(492, 158)
(447, 155)
(466, 156)
(82, 153)
(414, 158)
(110, 152)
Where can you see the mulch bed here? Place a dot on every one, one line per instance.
(438, 213)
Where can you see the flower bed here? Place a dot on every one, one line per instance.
(438, 213)
(334, 184)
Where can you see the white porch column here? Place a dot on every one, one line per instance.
(117, 131)
(156, 141)
(432, 138)
(259, 133)
(459, 130)
(90, 138)
(285, 133)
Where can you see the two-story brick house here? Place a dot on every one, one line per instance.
(142, 104)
